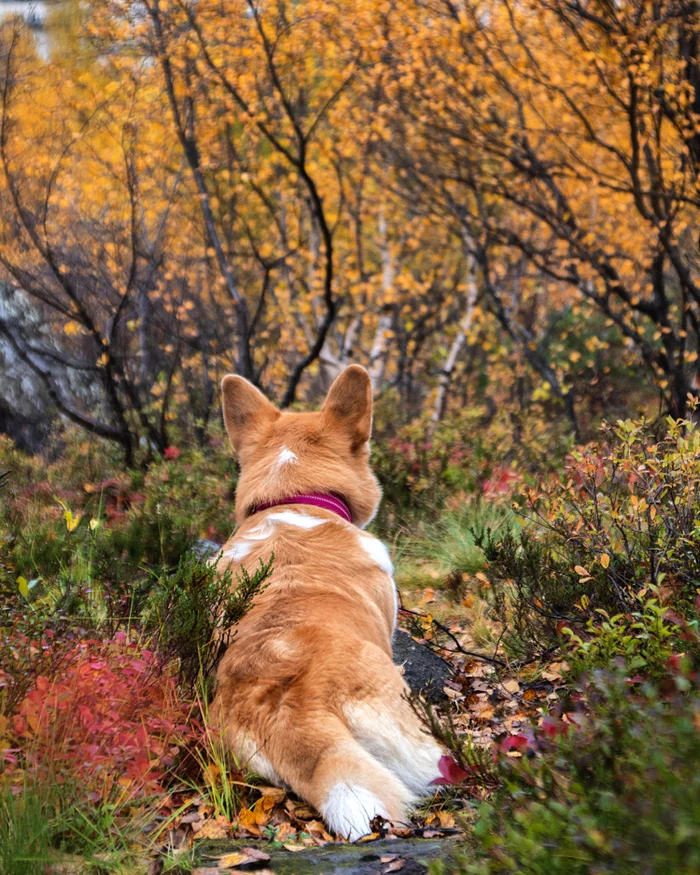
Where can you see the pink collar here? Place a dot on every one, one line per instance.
(315, 499)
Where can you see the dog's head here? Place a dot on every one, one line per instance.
(287, 454)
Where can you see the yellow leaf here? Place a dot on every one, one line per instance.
(579, 569)
(605, 560)
(71, 521)
(447, 821)
(216, 828)
(23, 586)
(230, 861)
(94, 524)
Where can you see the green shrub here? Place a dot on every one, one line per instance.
(192, 612)
(615, 789)
(622, 519)
(645, 640)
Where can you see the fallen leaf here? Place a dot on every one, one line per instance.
(276, 793)
(244, 857)
(445, 819)
(258, 815)
(395, 866)
(294, 846)
(316, 828)
(389, 858)
(256, 854)
(217, 828)
(512, 686)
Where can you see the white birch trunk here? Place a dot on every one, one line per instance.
(443, 391)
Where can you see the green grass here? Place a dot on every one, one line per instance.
(26, 830)
(444, 550)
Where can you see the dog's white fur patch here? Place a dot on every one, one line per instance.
(295, 518)
(413, 759)
(286, 457)
(239, 551)
(249, 755)
(377, 552)
(349, 809)
(242, 548)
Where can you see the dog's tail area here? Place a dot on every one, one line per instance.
(349, 787)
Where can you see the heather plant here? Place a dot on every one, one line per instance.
(611, 786)
(191, 613)
(620, 525)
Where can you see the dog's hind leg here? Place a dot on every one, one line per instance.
(391, 733)
(347, 785)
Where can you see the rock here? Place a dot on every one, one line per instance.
(336, 859)
(425, 672)
(204, 549)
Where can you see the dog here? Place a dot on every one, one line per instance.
(307, 693)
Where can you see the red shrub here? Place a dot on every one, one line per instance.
(111, 716)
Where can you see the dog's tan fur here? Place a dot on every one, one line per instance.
(307, 692)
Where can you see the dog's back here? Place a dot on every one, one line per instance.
(307, 692)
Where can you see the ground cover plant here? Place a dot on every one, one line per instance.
(565, 601)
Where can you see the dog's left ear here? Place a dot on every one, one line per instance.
(246, 410)
(349, 405)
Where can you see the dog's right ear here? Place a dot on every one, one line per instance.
(246, 410)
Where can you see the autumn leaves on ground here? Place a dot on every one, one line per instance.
(493, 206)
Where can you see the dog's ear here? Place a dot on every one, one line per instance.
(246, 410)
(349, 405)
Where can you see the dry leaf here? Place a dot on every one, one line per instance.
(244, 857)
(512, 686)
(395, 866)
(316, 828)
(258, 815)
(445, 819)
(218, 828)
(230, 861)
(389, 858)
(276, 793)
(256, 854)
(294, 846)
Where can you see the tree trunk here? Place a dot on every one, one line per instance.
(458, 343)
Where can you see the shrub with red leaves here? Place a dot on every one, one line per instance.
(112, 716)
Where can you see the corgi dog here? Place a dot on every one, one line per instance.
(307, 693)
